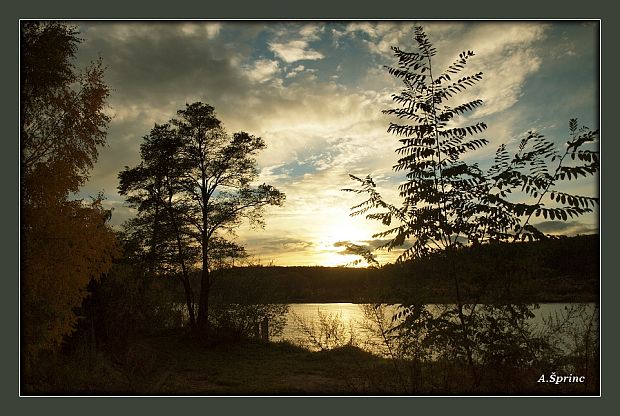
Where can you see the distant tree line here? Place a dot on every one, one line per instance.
(554, 270)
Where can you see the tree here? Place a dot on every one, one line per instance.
(154, 188)
(448, 202)
(65, 243)
(63, 121)
(221, 170)
(211, 186)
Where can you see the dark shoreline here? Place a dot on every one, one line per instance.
(555, 270)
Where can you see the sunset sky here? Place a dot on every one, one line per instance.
(314, 92)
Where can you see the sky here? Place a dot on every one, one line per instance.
(314, 91)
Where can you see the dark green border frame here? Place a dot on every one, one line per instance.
(287, 10)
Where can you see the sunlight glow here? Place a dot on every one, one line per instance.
(339, 228)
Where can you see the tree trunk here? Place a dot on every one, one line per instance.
(154, 237)
(205, 279)
(189, 295)
(189, 302)
(203, 305)
(462, 320)
(205, 286)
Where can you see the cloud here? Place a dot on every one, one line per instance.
(569, 228)
(503, 85)
(277, 81)
(361, 252)
(295, 50)
(311, 32)
(263, 70)
(209, 29)
(276, 244)
(213, 29)
(293, 72)
(504, 53)
(368, 28)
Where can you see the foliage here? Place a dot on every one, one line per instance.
(218, 172)
(65, 243)
(241, 321)
(241, 303)
(327, 332)
(151, 188)
(573, 335)
(161, 229)
(195, 181)
(297, 284)
(512, 344)
(126, 304)
(449, 201)
(553, 270)
(500, 335)
(63, 121)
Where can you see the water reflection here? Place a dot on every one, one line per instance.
(431, 346)
(442, 347)
(363, 323)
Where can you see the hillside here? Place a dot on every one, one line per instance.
(564, 269)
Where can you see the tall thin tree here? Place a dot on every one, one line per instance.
(218, 182)
(447, 200)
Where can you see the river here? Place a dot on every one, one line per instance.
(335, 324)
(319, 326)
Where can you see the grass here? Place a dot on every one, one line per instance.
(171, 364)
(255, 368)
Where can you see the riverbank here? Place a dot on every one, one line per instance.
(110, 355)
(173, 364)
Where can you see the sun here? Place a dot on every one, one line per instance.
(338, 228)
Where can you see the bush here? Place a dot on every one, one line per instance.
(236, 322)
(326, 333)
(239, 303)
(125, 304)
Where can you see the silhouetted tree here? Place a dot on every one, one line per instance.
(221, 169)
(210, 185)
(449, 201)
(66, 243)
(155, 189)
